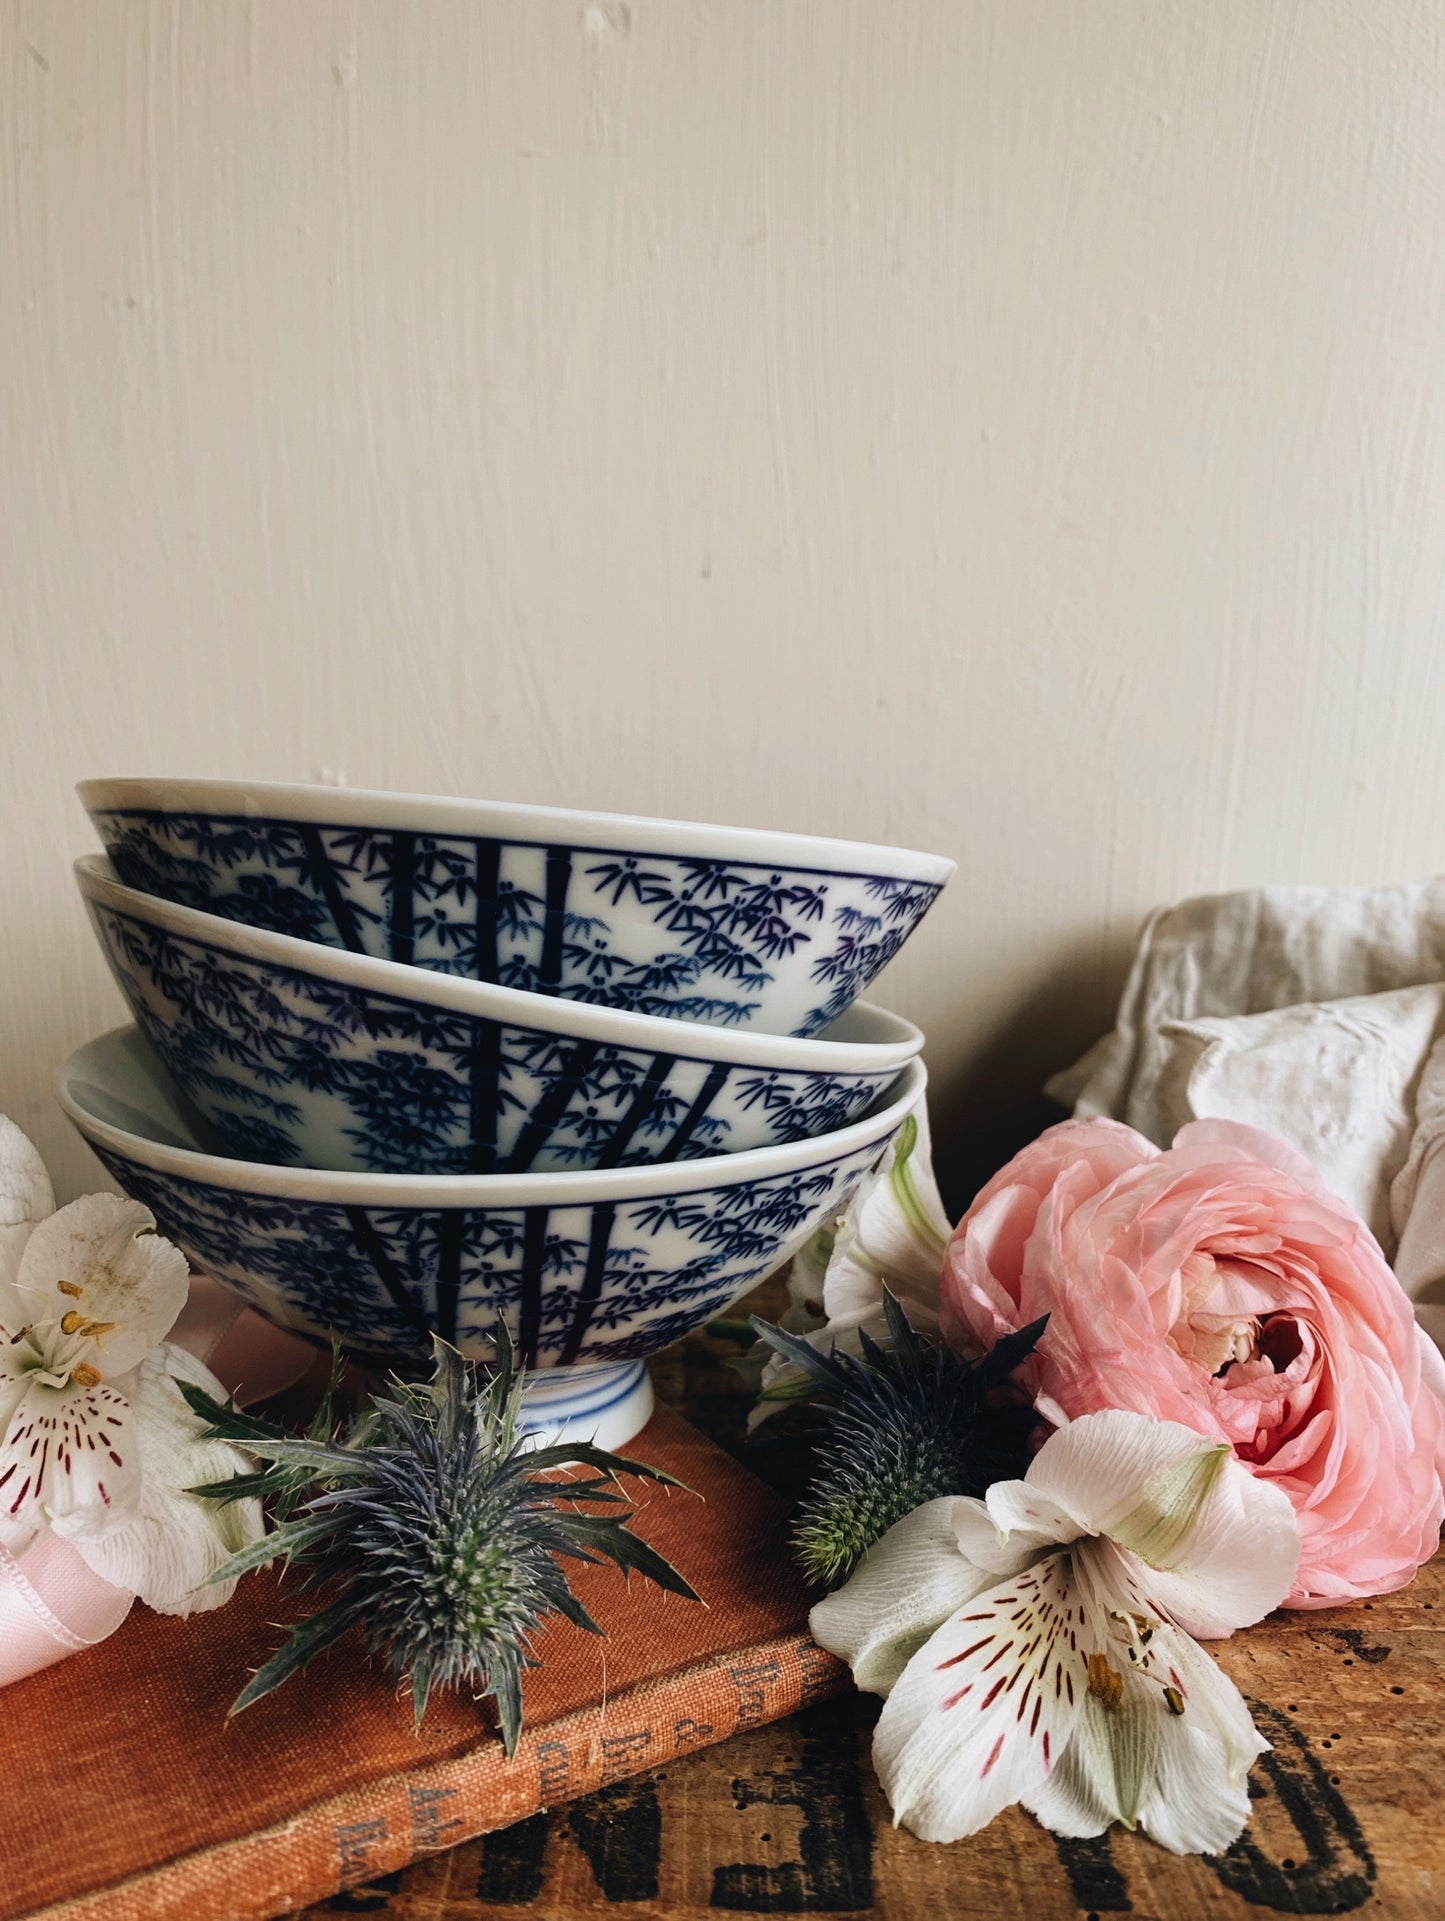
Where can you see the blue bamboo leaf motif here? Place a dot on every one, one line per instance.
(617, 879)
(262, 1049)
(518, 910)
(688, 938)
(586, 1284)
(866, 945)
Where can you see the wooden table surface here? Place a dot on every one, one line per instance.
(788, 1819)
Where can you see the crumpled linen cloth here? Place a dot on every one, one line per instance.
(1315, 1013)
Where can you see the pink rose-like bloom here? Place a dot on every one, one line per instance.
(1219, 1284)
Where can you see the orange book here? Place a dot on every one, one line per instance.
(132, 1797)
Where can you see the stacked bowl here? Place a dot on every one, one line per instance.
(400, 1065)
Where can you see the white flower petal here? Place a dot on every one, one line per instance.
(1080, 1798)
(902, 1590)
(1013, 1525)
(895, 1230)
(69, 1456)
(1182, 1776)
(26, 1198)
(19, 1357)
(805, 1279)
(1113, 1757)
(1199, 1800)
(177, 1541)
(1214, 1547)
(1237, 1561)
(101, 1259)
(983, 1711)
(1102, 1467)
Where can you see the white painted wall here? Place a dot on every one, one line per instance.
(1008, 428)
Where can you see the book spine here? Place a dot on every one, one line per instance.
(351, 1838)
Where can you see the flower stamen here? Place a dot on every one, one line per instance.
(74, 1323)
(85, 1375)
(1105, 1681)
(70, 1288)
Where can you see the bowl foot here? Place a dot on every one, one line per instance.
(606, 1405)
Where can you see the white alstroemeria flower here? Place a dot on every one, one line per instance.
(96, 1443)
(892, 1234)
(95, 1289)
(175, 1542)
(1036, 1646)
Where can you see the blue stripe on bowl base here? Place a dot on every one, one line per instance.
(553, 1399)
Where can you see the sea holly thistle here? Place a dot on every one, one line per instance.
(903, 1422)
(445, 1530)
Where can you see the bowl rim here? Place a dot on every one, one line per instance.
(324, 806)
(486, 1000)
(565, 1188)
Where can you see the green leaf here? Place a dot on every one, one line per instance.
(326, 1460)
(507, 1692)
(728, 1330)
(324, 1417)
(291, 1540)
(240, 1487)
(819, 1370)
(305, 1640)
(1012, 1351)
(607, 1536)
(227, 1422)
(568, 1604)
(584, 1454)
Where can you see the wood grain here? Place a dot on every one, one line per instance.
(789, 1819)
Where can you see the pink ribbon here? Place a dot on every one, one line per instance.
(51, 1603)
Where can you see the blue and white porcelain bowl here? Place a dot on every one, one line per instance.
(777, 933)
(311, 1056)
(592, 1271)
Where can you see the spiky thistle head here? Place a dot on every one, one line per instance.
(445, 1530)
(903, 1422)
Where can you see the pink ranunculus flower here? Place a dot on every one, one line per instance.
(1218, 1284)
